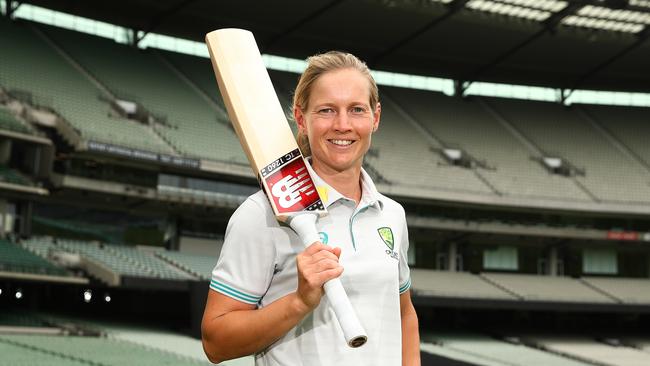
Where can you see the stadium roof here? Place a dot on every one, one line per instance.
(586, 44)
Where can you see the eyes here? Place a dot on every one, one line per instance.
(358, 110)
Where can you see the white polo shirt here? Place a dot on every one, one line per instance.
(257, 266)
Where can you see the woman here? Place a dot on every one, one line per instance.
(268, 289)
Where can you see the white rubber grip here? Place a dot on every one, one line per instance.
(304, 224)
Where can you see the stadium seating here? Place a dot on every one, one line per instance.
(128, 261)
(155, 266)
(157, 340)
(198, 265)
(484, 350)
(9, 175)
(467, 125)
(547, 288)
(592, 351)
(199, 72)
(14, 258)
(453, 354)
(455, 284)
(181, 92)
(32, 65)
(188, 123)
(564, 133)
(628, 290)
(627, 124)
(97, 350)
(405, 158)
(20, 355)
(9, 122)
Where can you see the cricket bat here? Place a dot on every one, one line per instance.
(267, 139)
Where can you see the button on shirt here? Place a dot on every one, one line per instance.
(257, 266)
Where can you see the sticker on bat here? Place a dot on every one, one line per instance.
(292, 189)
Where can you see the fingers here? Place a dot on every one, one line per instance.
(316, 247)
(317, 264)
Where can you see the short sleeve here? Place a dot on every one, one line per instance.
(404, 271)
(245, 266)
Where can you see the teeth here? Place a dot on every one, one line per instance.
(341, 142)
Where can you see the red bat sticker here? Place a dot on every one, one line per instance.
(292, 189)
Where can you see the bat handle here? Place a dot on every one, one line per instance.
(304, 225)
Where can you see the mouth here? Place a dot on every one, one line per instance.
(341, 142)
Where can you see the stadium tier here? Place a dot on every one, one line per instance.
(20, 355)
(80, 76)
(9, 122)
(122, 260)
(535, 288)
(94, 350)
(565, 133)
(627, 290)
(593, 351)
(199, 72)
(626, 124)
(483, 350)
(455, 284)
(548, 288)
(33, 66)
(466, 124)
(9, 175)
(198, 265)
(14, 258)
(184, 120)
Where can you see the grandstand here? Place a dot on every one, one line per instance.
(528, 204)
(16, 259)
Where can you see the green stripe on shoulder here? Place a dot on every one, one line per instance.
(406, 286)
(227, 290)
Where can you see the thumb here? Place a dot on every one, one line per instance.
(337, 252)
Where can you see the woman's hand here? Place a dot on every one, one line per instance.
(317, 264)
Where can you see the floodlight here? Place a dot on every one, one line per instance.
(88, 295)
(19, 294)
(107, 298)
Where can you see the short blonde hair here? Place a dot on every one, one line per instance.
(318, 65)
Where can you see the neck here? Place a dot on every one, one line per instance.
(347, 182)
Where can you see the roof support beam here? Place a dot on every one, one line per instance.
(10, 7)
(158, 19)
(642, 37)
(452, 8)
(548, 26)
(311, 16)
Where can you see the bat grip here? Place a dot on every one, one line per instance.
(304, 225)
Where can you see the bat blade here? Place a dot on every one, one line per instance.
(260, 123)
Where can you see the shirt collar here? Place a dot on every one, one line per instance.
(369, 194)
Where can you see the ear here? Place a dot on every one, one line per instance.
(376, 117)
(300, 118)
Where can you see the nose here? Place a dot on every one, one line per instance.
(342, 123)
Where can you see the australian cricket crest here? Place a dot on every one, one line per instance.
(386, 235)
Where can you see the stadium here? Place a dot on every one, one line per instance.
(514, 133)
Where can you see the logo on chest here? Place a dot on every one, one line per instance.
(386, 235)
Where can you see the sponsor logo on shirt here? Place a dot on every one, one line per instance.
(386, 235)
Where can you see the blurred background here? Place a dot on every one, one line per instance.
(514, 132)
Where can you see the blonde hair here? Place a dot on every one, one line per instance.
(318, 65)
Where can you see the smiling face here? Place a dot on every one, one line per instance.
(338, 120)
